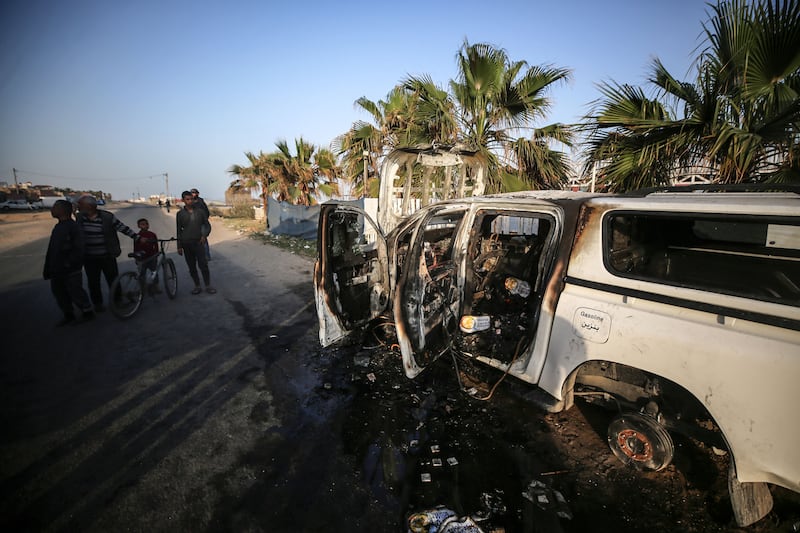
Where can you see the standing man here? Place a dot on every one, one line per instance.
(192, 232)
(199, 203)
(102, 245)
(63, 264)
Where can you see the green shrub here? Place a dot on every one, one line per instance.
(256, 230)
(242, 211)
(296, 245)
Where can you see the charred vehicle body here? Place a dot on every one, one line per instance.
(679, 309)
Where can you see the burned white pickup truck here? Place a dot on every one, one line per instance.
(678, 309)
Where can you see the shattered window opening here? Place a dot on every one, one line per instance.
(505, 272)
(754, 257)
(355, 260)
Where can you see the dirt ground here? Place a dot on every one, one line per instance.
(230, 417)
(19, 227)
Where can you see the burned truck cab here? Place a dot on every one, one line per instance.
(679, 311)
(481, 276)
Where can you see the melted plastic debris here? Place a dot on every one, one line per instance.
(460, 525)
(441, 520)
(429, 521)
(361, 359)
(547, 499)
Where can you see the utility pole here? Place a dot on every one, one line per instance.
(166, 183)
(16, 183)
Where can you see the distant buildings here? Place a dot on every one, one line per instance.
(31, 193)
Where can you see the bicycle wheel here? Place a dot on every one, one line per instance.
(170, 277)
(126, 295)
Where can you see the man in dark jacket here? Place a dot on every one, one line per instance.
(199, 203)
(192, 232)
(102, 245)
(63, 264)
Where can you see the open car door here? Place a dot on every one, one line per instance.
(428, 294)
(351, 285)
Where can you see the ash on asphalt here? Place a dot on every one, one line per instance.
(421, 444)
(424, 444)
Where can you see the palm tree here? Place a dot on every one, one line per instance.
(491, 108)
(297, 178)
(628, 156)
(498, 100)
(740, 118)
(389, 128)
(301, 177)
(433, 113)
(252, 176)
(238, 187)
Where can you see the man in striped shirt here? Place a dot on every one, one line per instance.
(101, 244)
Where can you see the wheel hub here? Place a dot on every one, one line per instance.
(635, 445)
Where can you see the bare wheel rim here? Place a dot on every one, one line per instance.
(170, 277)
(126, 295)
(635, 445)
(640, 441)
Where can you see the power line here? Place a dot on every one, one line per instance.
(78, 178)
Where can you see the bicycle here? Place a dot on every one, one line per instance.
(127, 291)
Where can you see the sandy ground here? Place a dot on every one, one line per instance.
(17, 228)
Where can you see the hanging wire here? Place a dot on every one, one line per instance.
(508, 369)
(77, 178)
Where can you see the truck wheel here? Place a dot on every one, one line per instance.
(639, 440)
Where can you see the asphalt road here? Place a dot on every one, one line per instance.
(143, 424)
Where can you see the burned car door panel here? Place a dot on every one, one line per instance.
(428, 293)
(351, 281)
(355, 284)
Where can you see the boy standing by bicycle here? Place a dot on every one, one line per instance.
(147, 244)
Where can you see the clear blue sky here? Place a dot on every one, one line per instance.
(112, 92)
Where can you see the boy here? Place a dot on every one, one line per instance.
(147, 244)
(63, 264)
